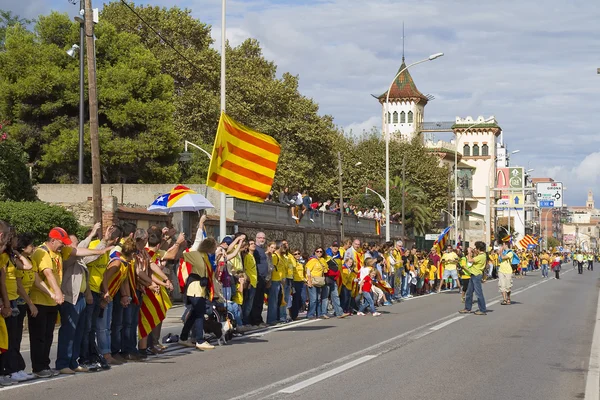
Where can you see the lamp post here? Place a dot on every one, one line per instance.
(456, 174)
(387, 143)
(383, 201)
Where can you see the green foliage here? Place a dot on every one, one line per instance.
(37, 218)
(8, 19)
(39, 92)
(552, 242)
(14, 177)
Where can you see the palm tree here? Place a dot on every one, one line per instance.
(418, 214)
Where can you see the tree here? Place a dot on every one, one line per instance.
(552, 242)
(8, 19)
(38, 92)
(15, 184)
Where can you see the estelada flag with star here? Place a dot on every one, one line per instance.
(243, 161)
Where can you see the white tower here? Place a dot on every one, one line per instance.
(589, 204)
(406, 106)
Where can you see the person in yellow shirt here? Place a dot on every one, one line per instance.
(299, 279)
(545, 260)
(450, 263)
(505, 273)
(286, 282)
(278, 273)
(476, 261)
(48, 262)
(250, 270)
(316, 267)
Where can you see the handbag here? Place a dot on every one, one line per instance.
(318, 281)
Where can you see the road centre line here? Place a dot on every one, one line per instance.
(444, 324)
(325, 375)
(422, 330)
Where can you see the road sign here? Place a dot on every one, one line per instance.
(432, 236)
(502, 202)
(549, 194)
(516, 199)
(515, 178)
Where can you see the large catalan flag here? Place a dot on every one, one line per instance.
(154, 305)
(527, 240)
(243, 161)
(440, 243)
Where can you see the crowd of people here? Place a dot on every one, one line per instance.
(113, 293)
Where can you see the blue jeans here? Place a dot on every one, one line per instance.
(247, 306)
(345, 297)
(88, 339)
(116, 327)
(405, 285)
(235, 309)
(195, 319)
(475, 286)
(287, 289)
(545, 270)
(103, 319)
(227, 292)
(273, 302)
(367, 301)
(315, 297)
(70, 333)
(296, 299)
(129, 336)
(335, 300)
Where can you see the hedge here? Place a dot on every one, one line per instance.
(38, 218)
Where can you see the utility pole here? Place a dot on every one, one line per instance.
(341, 197)
(93, 99)
(81, 91)
(403, 197)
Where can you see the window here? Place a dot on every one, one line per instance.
(485, 150)
(402, 117)
(466, 150)
(475, 150)
(388, 117)
(395, 117)
(410, 117)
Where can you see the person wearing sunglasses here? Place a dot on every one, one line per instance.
(298, 279)
(316, 268)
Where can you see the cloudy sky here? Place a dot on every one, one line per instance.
(531, 64)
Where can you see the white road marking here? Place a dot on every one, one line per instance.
(325, 375)
(281, 328)
(38, 380)
(444, 324)
(592, 379)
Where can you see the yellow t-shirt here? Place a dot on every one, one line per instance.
(505, 265)
(11, 276)
(465, 273)
(250, 269)
(279, 267)
(450, 260)
(238, 296)
(545, 258)
(43, 260)
(236, 263)
(298, 272)
(317, 267)
(97, 268)
(291, 261)
(432, 272)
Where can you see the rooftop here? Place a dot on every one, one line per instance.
(404, 88)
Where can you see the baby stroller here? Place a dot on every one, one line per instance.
(217, 312)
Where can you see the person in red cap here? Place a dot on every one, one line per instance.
(47, 262)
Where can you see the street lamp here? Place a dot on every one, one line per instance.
(383, 201)
(456, 173)
(387, 144)
(186, 155)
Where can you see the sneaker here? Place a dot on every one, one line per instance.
(44, 374)
(187, 343)
(27, 376)
(464, 311)
(110, 360)
(360, 313)
(376, 314)
(55, 372)
(479, 313)
(312, 220)
(410, 296)
(16, 376)
(66, 371)
(91, 367)
(387, 303)
(6, 381)
(119, 358)
(294, 217)
(131, 357)
(81, 368)
(324, 317)
(204, 346)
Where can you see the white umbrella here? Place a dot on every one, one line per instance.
(189, 202)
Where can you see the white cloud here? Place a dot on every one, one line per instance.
(532, 66)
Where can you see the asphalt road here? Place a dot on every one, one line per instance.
(537, 348)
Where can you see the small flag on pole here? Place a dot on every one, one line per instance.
(440, 243)
(243, 161)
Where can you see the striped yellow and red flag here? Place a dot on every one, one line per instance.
(154, 305)
(377, 227)
(177, 193)
(243, 161)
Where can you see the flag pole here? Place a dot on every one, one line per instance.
(223, 206)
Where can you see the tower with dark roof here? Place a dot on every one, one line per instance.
(405, 108)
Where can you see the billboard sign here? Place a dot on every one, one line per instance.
(549, 194)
